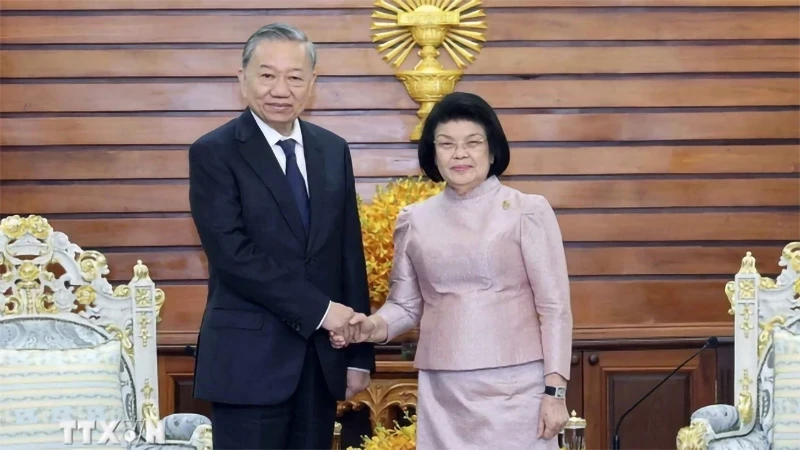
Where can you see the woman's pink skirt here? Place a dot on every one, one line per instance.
(483, 409)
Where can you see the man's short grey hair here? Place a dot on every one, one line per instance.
(278, 32)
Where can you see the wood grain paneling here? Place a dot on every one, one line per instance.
(525, 25)
(580, 227)
(169, 265)
(600, 308)
(519, 60)
(668, 142)
(103, 164)
(396, 127)
(57, 5)
(389, 94)
(173, 198)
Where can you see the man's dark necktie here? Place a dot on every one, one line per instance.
(296, 180)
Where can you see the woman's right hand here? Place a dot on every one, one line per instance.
(361, 329)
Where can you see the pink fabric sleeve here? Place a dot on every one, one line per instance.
(402, 310)
(546, 265)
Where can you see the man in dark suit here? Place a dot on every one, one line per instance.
(273, 199)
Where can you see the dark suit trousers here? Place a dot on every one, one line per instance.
(305, 421)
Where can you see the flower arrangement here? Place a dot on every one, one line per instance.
(377, 228)
(398, 438)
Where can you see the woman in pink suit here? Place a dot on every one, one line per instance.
(480, 268)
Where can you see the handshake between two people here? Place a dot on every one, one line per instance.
(345, 326)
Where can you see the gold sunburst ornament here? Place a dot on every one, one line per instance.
(400, 25)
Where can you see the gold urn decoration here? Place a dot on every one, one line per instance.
(573, 436)
(401, 25)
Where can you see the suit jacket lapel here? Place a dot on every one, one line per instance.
(256, 151)
(315, 167)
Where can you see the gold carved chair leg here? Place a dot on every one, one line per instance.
(337, 436)
(379, 398)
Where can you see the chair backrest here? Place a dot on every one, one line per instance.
(55, 295)
(760, 305)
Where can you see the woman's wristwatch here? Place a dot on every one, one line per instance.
(559, 392)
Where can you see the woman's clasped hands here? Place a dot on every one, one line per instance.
(361, 328)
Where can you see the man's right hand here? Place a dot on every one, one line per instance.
(338, 317)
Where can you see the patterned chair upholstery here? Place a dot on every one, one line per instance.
(74, 349)
(767, 365)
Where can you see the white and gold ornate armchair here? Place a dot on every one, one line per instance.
(767, 365)
(72, 349)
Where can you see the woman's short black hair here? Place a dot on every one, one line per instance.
(468, 107)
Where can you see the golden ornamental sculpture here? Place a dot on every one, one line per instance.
(377, 228)
(404, 437)
(42, 272)
(455, 25)
(380, 398)
(398, 438)
(693, 437)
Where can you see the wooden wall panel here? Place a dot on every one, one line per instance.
(88, 5)
(339, 94)
(395, 127)
(640, 227)
(602, 309)
(665, 133)
(572, 194)
(191, 264)
(91, 163)
(526, 25)
(362, 61)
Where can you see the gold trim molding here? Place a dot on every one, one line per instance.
(745, 403)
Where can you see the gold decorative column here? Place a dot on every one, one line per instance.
(400, 25)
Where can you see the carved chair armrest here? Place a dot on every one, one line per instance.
(721, 418)
(201, 438)
(715, 428)
(182, 426)
(754, 440)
